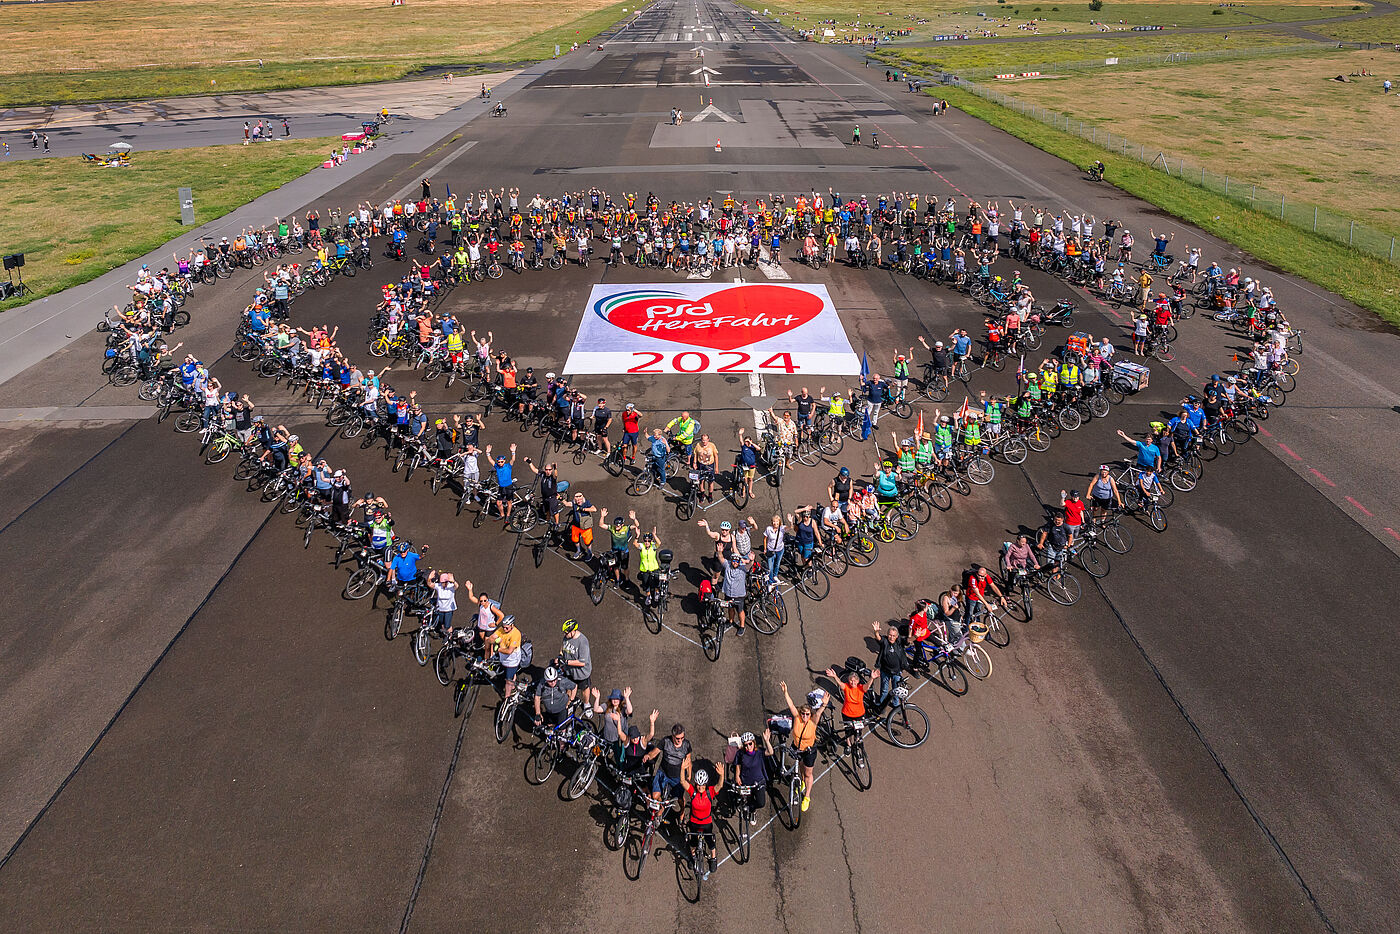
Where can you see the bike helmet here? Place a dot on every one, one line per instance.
(570, 625)
(551, 673)
(508, 620)
(747, 738)
(870, 489)
(648, 538)
(549, 376)
(725, 526)
(887, 465)
(618, 520)
(845, 471)
(403, 548)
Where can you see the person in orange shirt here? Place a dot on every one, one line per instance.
(853, 690)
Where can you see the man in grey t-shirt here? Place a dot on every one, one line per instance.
(575, 657)
(736, 586)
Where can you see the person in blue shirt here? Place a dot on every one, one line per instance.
(886, 487)
(775, 250)
(1194, 413)
(404, 568)
(1149, 456)
(321, 479)
(342, 248)
(660, 448)
(505, 480)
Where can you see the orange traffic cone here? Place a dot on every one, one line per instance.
(717, 149)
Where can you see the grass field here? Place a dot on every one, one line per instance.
(936, 17)
(74, 222)
(1017, 56)
(68, 52)
(1276, 123)
(1376, 29)
(1370, 283)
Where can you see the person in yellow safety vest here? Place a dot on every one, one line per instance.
(1047, 382)
(682, 430)
(836, 408)
(1069, 373)
(923, 454)
(455, 346)
(905, 458)
(972, 431)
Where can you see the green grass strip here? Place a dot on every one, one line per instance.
(1371, 283)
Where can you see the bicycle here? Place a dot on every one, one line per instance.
(905, 723)
(859, 772)
(603, 566)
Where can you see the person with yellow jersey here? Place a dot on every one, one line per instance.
(836, 407)
(1048, 380)
(682, 431)
(904, 460)
(1069, 373)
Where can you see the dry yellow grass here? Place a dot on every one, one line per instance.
(111, 34)
(1280, 124)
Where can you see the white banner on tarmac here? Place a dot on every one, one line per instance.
(683, 328)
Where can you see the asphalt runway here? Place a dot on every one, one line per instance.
(211, 737)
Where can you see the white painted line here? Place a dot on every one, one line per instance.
(757, 391)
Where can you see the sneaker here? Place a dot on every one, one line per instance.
(805, 801)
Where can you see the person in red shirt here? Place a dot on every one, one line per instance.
(631, 427)
(700, 797)
(976, 583)
(1074, 510)
(919, 628)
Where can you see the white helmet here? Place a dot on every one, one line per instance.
(551, 673)
(702, 778)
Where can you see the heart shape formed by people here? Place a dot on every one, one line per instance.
(722, 320)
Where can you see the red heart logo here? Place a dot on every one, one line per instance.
(722, 320)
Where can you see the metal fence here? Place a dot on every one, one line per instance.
(1293, 211)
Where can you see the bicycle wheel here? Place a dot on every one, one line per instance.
(1285, 380)
(861, 551)
(688, 878)
(977, 662)
(642, 482)
(710, 639)
(906, 725)
(997, 633)
(1116, 538)
(596, 589)
(218, 451)
(1179, 478)
(361, 584)
(770, 613)
(980, 470)
(904, 526)
(1156, 517)
(938, 495)
(395, 621)
(918, 508)
(1063, 588)
(616, 832)
(952, 677)
(1069, 418)
(794, 799)
(741, 854)
(1013, 451)
(1094, 559)
(187, 422)
(1098, 406)
(685, 509)
(830, 442)
(445, 665)
(1038, 440)
(834, 562)
(542, 763)
(860, 766)
(582, 779)
(815, 582)
(422, 646)
(505, 715)
(808, 455)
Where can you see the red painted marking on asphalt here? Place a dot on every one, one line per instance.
(1265, 432)
(1363, 509)
(1289, 451)
(1393, 533)
(1189, 373)
(1319, 475)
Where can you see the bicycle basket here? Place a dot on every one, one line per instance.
(977, 632)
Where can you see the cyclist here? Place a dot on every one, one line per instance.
(507, 642)
(736, 587)
(575, 656)
(786, 430)
(751, 770)
(616, 714)
(1104, 493)
(1055, 541)
(700, 798)
(552, 698)
(975, 585)
(746, 460)
(488, 616)
(631, 427)
(682, 431)
(658, 454)
(853, 687)
(704, 460)
(602, 420)
(621, 536)
(891, 659)
(673, 758)
(804, 734)
(649, 566)
(1148, 454)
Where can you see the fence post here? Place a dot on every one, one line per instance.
(1282, 200)
(1392, 249)
(1227, 184)
(1252, 190)
(1203, 176)
(1314, 218)
(1142, 152)
(1351, 233)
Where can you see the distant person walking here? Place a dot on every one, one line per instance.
(247, 129)
(1386, 85)
(427, 191)
(286, 128)
(34, 138)
(46, 142)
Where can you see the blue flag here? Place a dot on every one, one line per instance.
(866, 427)
(864, 367)
(449, 192)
